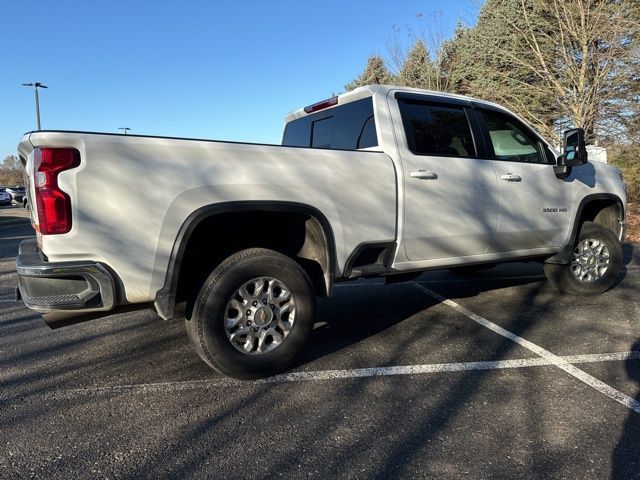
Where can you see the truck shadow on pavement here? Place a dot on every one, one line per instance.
(630, 255)
(362, 322)
(625, 459)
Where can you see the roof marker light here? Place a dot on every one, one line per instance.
(321, 105)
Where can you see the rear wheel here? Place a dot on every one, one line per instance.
(595, 263)
(253, 314)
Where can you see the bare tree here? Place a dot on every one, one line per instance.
(588, 70)
(423, 58)
(11, 172)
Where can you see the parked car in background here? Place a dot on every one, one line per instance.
(17, 194)
(5, 197)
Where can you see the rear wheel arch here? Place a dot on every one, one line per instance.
(315, 247)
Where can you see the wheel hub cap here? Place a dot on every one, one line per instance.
(263, 317)
(260, 315)
(590, 260)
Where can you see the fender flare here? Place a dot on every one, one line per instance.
(564, 256)
(166, 297)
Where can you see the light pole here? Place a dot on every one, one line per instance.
(36, 85)
(126, 129)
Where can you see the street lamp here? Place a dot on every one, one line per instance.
(36, 85)
(126, 129)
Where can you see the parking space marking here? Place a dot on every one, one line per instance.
(316, 375)
(20, 237)
(559, 362)
(445, 367)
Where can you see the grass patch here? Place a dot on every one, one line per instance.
(627, 159)
(633, 223)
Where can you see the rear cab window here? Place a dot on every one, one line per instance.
(350, 126)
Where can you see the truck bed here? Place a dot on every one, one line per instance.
(131, 195)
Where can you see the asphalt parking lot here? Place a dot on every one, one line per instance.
(494, 375)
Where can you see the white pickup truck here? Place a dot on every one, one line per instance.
(238, 239)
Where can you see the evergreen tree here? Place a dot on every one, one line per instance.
(556, 63)
(448, 61)
(418, 70)
(487, 65)
(374, 73)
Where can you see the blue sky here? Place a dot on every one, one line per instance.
(204, 69)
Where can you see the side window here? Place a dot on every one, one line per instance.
(511, 140)
(368, 136)
(346, 127)
(433, 129)
(297, 133)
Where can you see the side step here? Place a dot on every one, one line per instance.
(370, 260)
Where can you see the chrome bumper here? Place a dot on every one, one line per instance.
(62, 286)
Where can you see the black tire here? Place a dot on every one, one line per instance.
(206, 328)
(563, 278)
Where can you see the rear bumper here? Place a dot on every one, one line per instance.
(80, 286)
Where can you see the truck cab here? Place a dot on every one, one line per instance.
(475, 183)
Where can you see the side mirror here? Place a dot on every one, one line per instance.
(575, 150)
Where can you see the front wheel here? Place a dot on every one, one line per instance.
(253, 315)
(595, 263)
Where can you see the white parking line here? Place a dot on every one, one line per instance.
(188, 385)
(559, 362)
(445, 367)
(19, 237)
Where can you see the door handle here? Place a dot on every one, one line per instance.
(511, 177)
(424, 175)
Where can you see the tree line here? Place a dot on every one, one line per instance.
(556, 63)
(11, 172)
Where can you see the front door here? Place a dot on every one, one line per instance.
(534, 205)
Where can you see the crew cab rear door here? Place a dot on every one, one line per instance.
(450, 193)
(534, 205)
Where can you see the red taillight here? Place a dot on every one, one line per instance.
(329, 102)
(54, 206)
